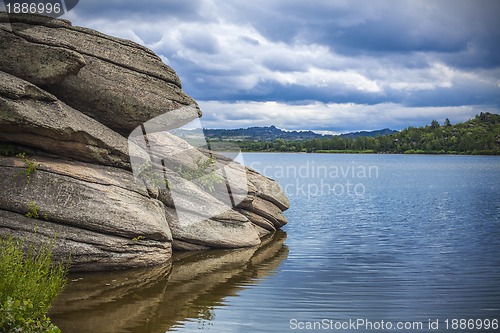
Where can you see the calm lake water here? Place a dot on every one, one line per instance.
(393, 238)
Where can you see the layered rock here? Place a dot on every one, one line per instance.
(33, 117)
(42, 64)
(119, 83)
(83, 108)
(97, 214)
(242, 207)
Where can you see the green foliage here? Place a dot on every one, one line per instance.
(30, 280)
(480, 135)
(30, 167)
(204, 174)
(12, 314)
(34, 212)
(152, 175)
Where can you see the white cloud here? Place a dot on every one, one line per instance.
(329, 116)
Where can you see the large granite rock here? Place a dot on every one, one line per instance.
(239, 209)
(98, 214)
(122, 84)
(69, 98)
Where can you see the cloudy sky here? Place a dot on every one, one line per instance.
(326, 65)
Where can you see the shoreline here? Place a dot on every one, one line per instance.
(354, 153)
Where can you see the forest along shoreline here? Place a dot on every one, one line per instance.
(477, 136)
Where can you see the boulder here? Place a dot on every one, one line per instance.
(35, 118)
(48, 21)
(203, 221)
(257, 184)
(86, 250)
(267, 189)
(122, 84)
(98, 214)
(268, 210)
(265, 200)
(240, 191)
(258, 220)
(112, 49)
(211, 233)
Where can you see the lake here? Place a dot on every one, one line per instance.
(410, 241)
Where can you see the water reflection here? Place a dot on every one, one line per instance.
(159, 299)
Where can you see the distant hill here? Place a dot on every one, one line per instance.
(480, 135)
(272, 133)
(352, 135)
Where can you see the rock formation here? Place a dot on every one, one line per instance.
(74, 105)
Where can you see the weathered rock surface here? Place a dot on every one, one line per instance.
(198, 218)
(33, 117)
(42, 64)
(69, 98)
(94, 212)
(122, 84)
(87, 250)
(267, 189)
(259, 221)
(210, 218)
(228, 230)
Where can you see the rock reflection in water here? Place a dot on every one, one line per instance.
(156, 299)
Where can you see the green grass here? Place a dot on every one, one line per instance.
(29, 281)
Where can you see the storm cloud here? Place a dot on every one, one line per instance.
(321, 65)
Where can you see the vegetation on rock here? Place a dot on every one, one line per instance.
(34, 212)
(152, 175)
(31, 166)
(204, 174)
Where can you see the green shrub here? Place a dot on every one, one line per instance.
(204, 174)
(29, 281)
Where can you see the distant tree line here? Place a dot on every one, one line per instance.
(480, 135)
